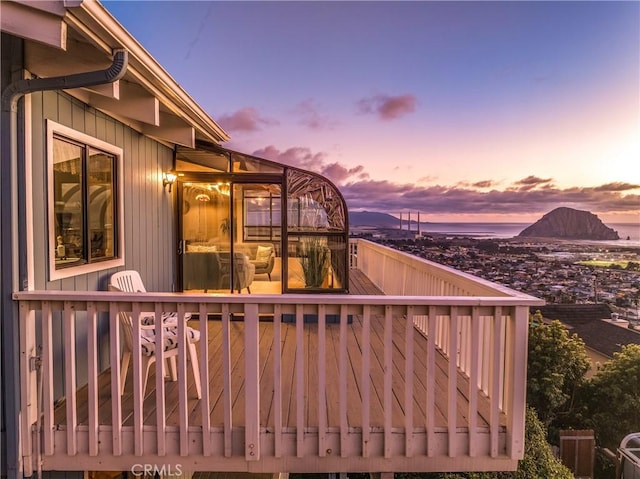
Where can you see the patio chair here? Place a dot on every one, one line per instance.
(264, 260)
(130, 282)
(244, 271)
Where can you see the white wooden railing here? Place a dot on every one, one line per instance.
(490, 352)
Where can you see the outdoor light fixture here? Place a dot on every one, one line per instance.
(168, 178)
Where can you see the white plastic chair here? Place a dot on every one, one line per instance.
(130, 282)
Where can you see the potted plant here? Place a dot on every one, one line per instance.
(315, 262)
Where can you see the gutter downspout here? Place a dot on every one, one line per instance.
(13, 274)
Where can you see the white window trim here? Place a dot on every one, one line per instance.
(56, 128)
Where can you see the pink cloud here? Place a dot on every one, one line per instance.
(390, 197)
(303, 157)
(531, 195)
(531, 183)
(388, 107)
(246, 119)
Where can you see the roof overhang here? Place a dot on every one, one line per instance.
(63, 37)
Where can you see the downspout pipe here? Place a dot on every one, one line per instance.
(13, 275)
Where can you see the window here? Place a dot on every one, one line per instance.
(262, 212)
(85, 205)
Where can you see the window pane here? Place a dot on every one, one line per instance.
(313, 204)
(247, 164)
(67, 197)
(316, 262)
(262, 212)
(101, 211)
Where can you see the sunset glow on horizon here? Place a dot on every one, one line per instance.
(464, 111)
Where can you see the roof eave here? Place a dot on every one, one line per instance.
(91, 14)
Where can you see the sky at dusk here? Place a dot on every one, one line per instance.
(464, 111)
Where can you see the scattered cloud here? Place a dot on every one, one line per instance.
(530, 195)
(246, 119)
(483, 184)
(532, 182)
(303, 157)
(438, 199)
(310, 116)
(618, 186)
(388, 107)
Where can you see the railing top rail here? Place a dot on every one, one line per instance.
(111, 296)
(447, 272)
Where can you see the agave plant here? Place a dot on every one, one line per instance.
(315, 262)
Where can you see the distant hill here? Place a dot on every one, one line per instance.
(372, 218)
(567, 223)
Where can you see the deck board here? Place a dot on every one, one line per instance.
(267, 350)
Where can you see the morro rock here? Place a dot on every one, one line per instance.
(567, 223)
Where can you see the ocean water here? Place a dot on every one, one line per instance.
(509, 230)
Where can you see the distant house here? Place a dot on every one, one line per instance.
(602, 332)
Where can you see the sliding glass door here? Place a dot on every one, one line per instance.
(230, 236)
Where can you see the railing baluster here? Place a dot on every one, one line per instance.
(47, 378)
(226, 379)
(473, 381)
(277, 379)
(92, 376)
(322, 392)
(452, 394)
(388, 379)
(183, 406)
(431, 381)
(408, 382)
(116, 399)
(160, 387)
(69, 333)
(344, 424)
(252, 382)
(300, 373)
(366, 381)
(138, 398)
(204, 380)
(494, 426)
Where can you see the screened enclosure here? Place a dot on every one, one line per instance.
(250, 225)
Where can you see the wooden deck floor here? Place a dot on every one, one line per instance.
(359, 285)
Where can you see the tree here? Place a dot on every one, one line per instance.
(557, 364)
(611, 399)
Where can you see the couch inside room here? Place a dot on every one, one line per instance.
(206, 264)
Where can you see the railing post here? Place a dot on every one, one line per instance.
(252, 383)
(27, 383)
(47, 377)
(517, 382)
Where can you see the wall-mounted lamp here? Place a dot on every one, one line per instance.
(168, 178)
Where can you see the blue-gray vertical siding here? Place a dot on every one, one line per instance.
(149, 235)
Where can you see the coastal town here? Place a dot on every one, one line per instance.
(557, 271)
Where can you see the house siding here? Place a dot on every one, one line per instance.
(148, 210)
